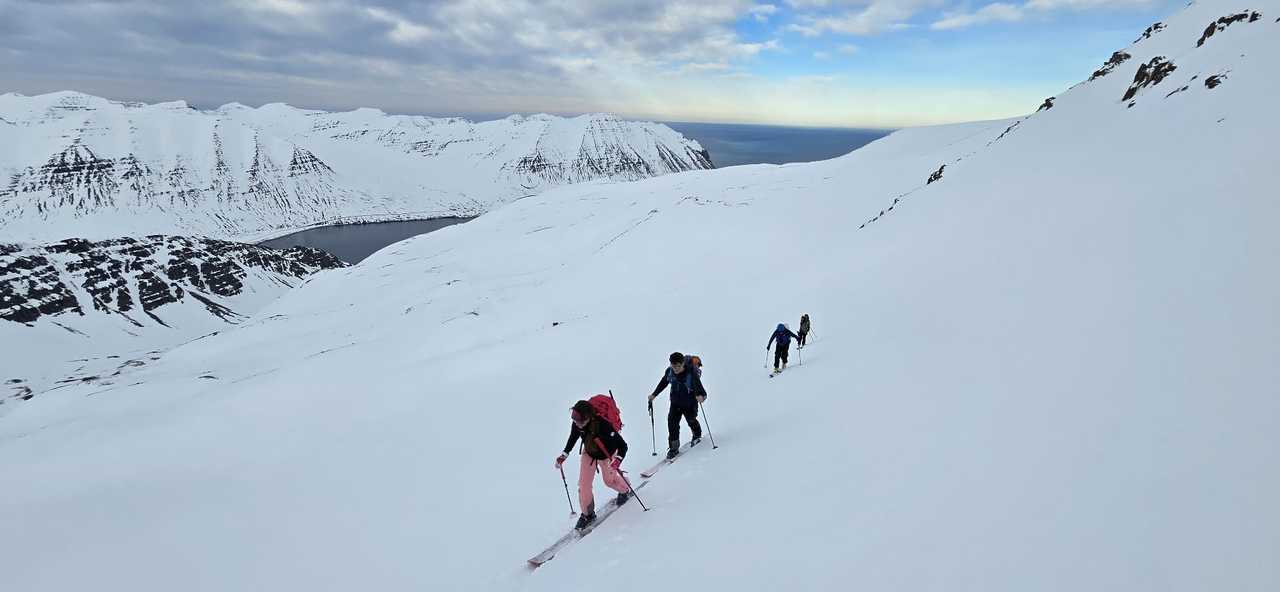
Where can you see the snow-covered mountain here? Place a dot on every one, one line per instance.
(84, 310)
(1044, 359)
(75, 165)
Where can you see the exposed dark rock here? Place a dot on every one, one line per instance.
(1116, 59)
(1152, 30)
(1175, 91)
(306, 163)
(1149, 74)
(1005, 132)
(1223, 22)
(21, 392)
(1212, 82)
(30, 287)
(37, 282)
(1046, 105)
(936, 176)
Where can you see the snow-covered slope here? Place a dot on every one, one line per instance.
(1053, 368)
(79, 311)
(74, 165)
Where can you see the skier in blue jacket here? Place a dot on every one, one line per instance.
(783, 336)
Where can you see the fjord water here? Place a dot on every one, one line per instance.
(732, 144)
(353, 242)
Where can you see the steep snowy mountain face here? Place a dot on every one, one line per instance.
(74, 165)
(67, 300)
(1043, 359)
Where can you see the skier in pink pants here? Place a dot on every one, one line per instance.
(602, 450)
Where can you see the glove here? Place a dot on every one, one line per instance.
(651, 398)
(700, 399)
(616, 463)
(560, 459)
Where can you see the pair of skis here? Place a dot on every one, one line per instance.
(609, 508)
(651, 471)
(574, 534)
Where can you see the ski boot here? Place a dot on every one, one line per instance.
(585, 520)
(622, 498)
(695, 441)
(672, 452)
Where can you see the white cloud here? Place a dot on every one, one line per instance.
(870, 18)
(996, 12)
(294, 8)
(808, 3)
(678, 59)
(762, 12)
(1085, 4)
(402, 30)
(815, 79)
(1008, 13)
(705, 67)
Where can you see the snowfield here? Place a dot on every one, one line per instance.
(1053, 368)
(76, 165)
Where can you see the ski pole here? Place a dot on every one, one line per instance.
(633, 490)
(766, 358)
(566, 491)
(800, 356)
(653, 437)
(708, 422)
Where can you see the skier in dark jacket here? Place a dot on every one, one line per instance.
(686, 393)
(783, 336)
(804, 331)
(602, 449)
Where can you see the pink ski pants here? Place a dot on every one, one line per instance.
(587, 477)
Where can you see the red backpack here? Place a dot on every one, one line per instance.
(607, 409)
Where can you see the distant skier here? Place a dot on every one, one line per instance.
(804, 331)
(686, 393)
(783, 336)
(602, 449)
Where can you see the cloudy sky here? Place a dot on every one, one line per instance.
(855, 63)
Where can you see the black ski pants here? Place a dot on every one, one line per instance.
(690, 415)
(802, 335)
(780, 352)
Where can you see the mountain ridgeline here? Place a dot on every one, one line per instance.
(75, 165)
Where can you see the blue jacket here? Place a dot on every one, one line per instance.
(783, 335)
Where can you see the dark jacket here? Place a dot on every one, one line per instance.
(783, 335)
(804, 324)
(595, 434)
(684, 386)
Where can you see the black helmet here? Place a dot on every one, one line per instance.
(677, 358)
